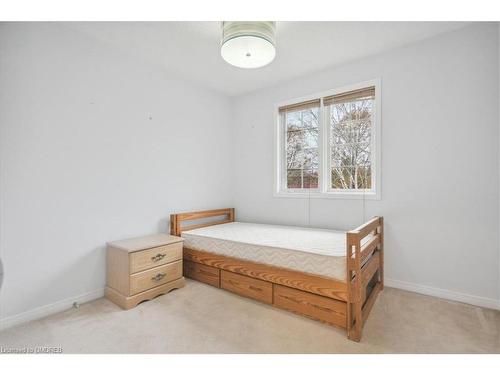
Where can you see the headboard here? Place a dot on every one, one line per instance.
(177, 225)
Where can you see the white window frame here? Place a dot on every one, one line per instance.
(324, 190)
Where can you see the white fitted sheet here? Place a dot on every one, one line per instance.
(316, 251)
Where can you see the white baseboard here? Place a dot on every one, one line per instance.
(53, 308)
(489, 303)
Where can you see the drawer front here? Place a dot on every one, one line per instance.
(157, 256)
(200, 272)
(247, 286)
(145, 280)
(311, 305)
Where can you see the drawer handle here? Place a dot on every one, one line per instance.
(158, 257)
(254, 288)
(158, 277)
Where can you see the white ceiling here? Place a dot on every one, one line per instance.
(192, 49)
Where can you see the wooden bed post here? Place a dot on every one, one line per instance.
(363, 264)
(175, 229)
(354, 299)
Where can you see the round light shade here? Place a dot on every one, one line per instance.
(248, 44)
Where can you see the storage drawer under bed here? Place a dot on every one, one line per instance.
(201, 272)
(317, 307)
(247, 286)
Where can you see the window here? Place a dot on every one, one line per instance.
(328, 144)
(301, 144)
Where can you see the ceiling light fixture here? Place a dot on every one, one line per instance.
(248, 44)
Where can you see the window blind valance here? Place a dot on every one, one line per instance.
(364, 93)
(300, 106)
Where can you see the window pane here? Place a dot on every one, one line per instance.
(350, 144)
(311, 179)
(306, 118)
(352, 177)
(302, 159)
(302, 179)
(351, 155)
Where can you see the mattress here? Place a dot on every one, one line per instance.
(317, 251)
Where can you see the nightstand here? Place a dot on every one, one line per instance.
(142, 268)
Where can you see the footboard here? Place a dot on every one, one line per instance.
(365, 272)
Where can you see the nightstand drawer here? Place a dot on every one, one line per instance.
(154, 277)
(157, 256)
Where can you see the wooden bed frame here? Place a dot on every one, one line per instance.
(343, 303)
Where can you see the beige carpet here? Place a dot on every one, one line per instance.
(203, 319)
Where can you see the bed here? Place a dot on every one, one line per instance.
(331, 276)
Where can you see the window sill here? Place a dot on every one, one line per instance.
(328, 195)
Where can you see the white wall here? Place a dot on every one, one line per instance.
(82, 163)
(440, 174)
